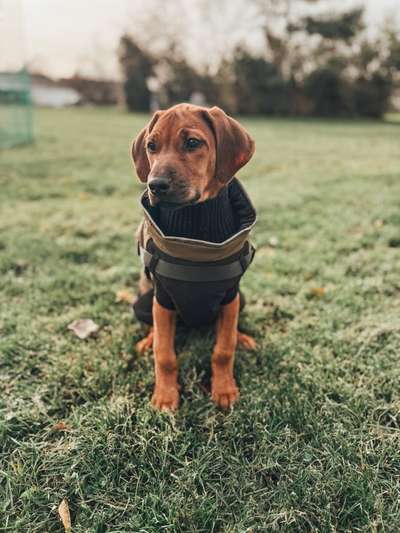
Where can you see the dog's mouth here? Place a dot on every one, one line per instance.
(173, 204)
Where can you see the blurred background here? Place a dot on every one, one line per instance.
(254, 57)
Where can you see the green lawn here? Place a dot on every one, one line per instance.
(313, 444)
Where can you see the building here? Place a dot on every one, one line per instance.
(49, 93)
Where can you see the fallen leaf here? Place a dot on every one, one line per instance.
(60, 426)
(125, 296)
(318, 291)
(65, 517)
(273, 241)
(84, 328)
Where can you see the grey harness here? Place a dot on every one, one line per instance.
(200, 273)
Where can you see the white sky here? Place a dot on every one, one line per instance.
(60, 37)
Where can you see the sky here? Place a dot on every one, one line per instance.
(62, 37)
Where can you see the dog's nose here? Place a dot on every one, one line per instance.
(158, 186)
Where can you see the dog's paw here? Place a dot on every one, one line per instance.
(245, 341)
(145, 344)
(224, 395)
(165, 398)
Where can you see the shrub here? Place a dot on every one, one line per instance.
(371, 96)
(259, 85)
(328, 91)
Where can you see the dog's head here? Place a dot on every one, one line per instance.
(187, 153)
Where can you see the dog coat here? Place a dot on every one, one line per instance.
(196, 254)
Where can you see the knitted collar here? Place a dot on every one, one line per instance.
(212, 220)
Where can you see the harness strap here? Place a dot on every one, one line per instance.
(196, 273)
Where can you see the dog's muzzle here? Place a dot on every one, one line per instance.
(160, 187)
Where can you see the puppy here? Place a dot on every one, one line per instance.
(194, 239)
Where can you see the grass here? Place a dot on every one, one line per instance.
(313, 444)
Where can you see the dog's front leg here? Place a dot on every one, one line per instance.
(224, 391)
(166, 390)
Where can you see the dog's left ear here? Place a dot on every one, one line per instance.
(234, 146)
(138, 149)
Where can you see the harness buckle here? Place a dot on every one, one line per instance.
(246, 259)
(244, 263)
(153, 263)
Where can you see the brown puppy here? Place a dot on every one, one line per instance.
(186, 155)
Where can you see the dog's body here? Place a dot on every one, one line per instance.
(194, 238)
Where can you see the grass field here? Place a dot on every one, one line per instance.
(313, 444)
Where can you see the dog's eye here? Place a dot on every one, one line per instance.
(192, 143)
(151, 146)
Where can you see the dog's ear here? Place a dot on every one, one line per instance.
(138, 150)
(234, 146)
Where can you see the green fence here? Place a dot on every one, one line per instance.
(15, 109)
